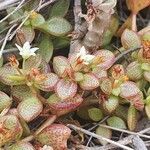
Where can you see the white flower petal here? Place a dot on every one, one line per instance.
(19, 47)
(34, 49)
(26, 46)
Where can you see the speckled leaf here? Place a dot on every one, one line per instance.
(99, 73)
(10, 129)
(89, 82)
(60, 8)
(61, 65)
(1, 61)
(46, 48)
(48, 83)
(30, 108)
(116, 122)
(21, 92)
(132, 118)
(56, 26)
(55, 135)
(111, 104)
(128, 89)
(104, 132)
(32, 62)
(106, 85)
(10, 76)
(95, 114)
(130, 39)
(134, 71)
(104, 59)
(21, 146)
(66, 89)
(5, 101)
(60, 107)
(131, 92)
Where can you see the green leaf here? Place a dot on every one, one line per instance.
(130, 39)
(36, 19)
(60, 8)
(46, 48)
(61, 42)
(5, 101)
(116, 122)
(56, 26)
(104, 132)
(95, 114)
(17, 14)
(21, 146)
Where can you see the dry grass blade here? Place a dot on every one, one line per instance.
(98, 137)
(125, 131)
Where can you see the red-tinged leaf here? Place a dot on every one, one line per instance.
(128, 89)
(61, 65)
(104, 59)
(99, 73)
(130, 39)
(48, 83)
(137, 101)
(21, 92)
(61, 107)
(10, 76)
(136, 5)
(131, 92)
(66, 89)
(30, 108)
(21, 146)
(89, 82)
(10, 129)
(55, 135)
(5, 101)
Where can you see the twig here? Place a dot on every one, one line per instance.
(45, 4)
(125, 53)
(17, 8)
(5, 3)
(125, 131)
(6, 38)
(138, 143)
(98, 136)
(124, 141)
(77, 19)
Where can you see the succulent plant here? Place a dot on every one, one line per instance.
(55, 135)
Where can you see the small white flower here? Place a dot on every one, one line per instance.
(26, 51)
(45, 147)
(87, 58)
